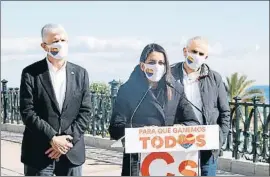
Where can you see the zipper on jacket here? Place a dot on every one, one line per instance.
(204, 117)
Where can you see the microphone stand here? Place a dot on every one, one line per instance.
(131, 120)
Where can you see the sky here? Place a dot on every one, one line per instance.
(107, 38)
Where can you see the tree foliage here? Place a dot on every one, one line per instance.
(240, 86)
(100, 87)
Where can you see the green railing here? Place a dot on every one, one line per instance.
(248, 137)
(249, 134)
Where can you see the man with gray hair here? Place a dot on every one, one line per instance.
(55, 108)
(204, 88)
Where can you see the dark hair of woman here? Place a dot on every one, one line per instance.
(167, 76)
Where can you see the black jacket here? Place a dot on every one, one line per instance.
(152, 111)
(42, 117)
(214, 97)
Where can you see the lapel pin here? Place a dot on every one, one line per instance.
(72, 72)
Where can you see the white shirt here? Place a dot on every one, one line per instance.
(192, 91)
(58, 78)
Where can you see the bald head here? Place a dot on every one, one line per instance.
(198, 44)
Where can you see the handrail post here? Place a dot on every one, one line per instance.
(17, 105)
(255, 142)
(11, 105)
(265, 133)
(4, 89)
(237, 128)
(114, 89)
(94, 113)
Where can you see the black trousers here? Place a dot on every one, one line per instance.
(62, 167)
(130, 166)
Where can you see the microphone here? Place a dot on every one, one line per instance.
(170, 85)
(135, 110)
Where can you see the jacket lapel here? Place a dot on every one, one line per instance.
(47, 84)
(69, 86)
(180, 72)
(177, 72)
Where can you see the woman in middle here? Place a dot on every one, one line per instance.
(149, 98)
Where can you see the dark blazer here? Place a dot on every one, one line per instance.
(42, 118)
(154, 110)
(216, 109)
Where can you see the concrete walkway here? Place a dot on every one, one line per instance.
(100, 162)
(11, 165)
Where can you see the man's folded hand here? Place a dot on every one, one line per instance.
(53, 154)
(60, 145)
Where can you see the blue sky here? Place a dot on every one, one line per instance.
(107, 37)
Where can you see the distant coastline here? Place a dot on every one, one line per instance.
(265, 88)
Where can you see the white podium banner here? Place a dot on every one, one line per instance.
(173, 138)
(169, 164)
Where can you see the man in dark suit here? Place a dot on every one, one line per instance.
(55, 108)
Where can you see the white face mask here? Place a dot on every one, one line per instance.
(61, 50)
(154, 72)
(194, 61)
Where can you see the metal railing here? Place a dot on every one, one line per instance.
(248, 137)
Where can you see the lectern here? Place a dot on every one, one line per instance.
(171, 151)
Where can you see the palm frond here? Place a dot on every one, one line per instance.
(229, 87)
(241, 81)
(240, 86)
(234, 79)
(245, 86)
(228, 81)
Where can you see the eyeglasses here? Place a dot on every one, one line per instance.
(195, 52)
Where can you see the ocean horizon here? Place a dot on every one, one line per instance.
(266, 89)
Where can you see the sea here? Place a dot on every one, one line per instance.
(266, 89)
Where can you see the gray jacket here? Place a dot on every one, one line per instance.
(214, 97)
